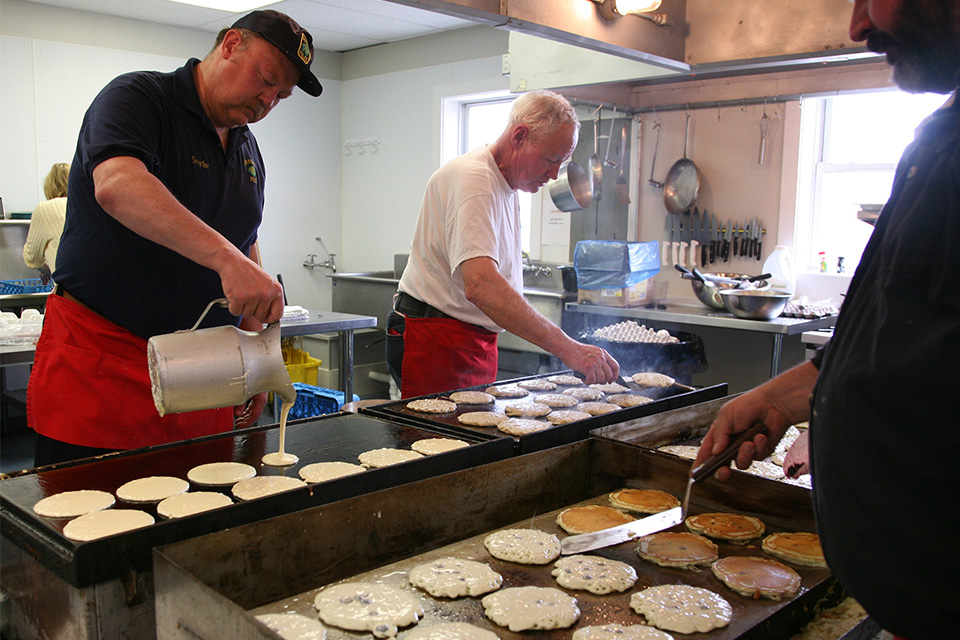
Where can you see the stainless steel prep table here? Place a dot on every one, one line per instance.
(701, 316)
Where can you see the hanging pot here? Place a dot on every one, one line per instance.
(572, 190)
(682, 184)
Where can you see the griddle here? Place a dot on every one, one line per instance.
(337, 437)
(665, 399)
(225, 578)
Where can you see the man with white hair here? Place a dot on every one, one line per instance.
(463, 281)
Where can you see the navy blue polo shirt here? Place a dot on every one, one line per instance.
(134, 282)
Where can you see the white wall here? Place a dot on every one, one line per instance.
(383, 186)
(51, 71)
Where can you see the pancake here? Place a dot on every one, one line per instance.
(628, 400)
(524, 546)
(584, 393)
(294, 626)
(262, 486)
(455, 578)
(538, 384)
(507, 391)
(522, 426)
(594, 574)
(687, 451)
(525, 608)
(566, 416)
(100, 524)
(643, 500)
(451, 631)
(151, 489)
(653, 380)
(610, 387)
(432, 405)
(471, 397)
(433, 446)
(481, 418)
(366, 606)
(566, 380)
(526, 410)
(324, 471)
(757, 577)
(669, 549)
(597, 408)
(187, 504)
(70, 504)
(733, 527)
(591, 517)
(799, 548)
(681, 608)
(378, 458)
(620, 632)
(220, 474)
(556, 400)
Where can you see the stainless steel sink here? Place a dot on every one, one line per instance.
(370, 293)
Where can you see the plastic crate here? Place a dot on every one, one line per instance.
(301, 366)
(25, 285)
(316, 401)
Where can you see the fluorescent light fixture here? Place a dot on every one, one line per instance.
(624, 7)
(612, 9)
(235, 6)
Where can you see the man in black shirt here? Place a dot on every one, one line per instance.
(885, 406)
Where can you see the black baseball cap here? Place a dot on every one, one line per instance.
(290, 38)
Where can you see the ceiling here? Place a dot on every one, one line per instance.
(336, 25)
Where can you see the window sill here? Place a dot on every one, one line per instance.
(822, 286)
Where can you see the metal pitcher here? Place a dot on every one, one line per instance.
(217, 367)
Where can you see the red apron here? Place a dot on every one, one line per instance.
(90, 386)
(441, 354)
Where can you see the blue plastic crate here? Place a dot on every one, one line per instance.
(24, 285)
(316, 401)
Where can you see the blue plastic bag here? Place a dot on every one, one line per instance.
(611, 264)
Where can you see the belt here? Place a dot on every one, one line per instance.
(407, 305)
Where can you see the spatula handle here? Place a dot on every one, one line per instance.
(713, 463)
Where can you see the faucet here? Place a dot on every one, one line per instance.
(329, 263)
(535, 269)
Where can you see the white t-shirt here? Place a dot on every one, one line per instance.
(468, 211)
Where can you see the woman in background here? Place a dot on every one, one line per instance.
(46, 222)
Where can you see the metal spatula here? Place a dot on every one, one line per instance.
(660, 521)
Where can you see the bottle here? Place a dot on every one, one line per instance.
(823, 262)
(780, 267)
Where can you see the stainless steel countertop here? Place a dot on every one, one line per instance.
(699, 315)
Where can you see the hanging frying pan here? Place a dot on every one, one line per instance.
(682, 184)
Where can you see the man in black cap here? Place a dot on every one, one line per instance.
(165, 199)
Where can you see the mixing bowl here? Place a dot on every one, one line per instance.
(754, 304)
(709, 292)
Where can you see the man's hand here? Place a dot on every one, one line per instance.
(251, 291)
(596, 365)
(247, 414)
(777, 404)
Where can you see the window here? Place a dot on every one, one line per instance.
(849, 148)
(476, 120)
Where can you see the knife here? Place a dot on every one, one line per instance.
(684, 237)
(704, 238)
(694, 242)
(759, 233)
(727, 237)
(665, 248)
(745, 243)
(736, 236)
(616, 535)
(714, 237)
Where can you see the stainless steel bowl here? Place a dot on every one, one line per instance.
(572, 190)
(709, 293)
(753, 304)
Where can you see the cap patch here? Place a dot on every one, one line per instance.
(303, 51)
